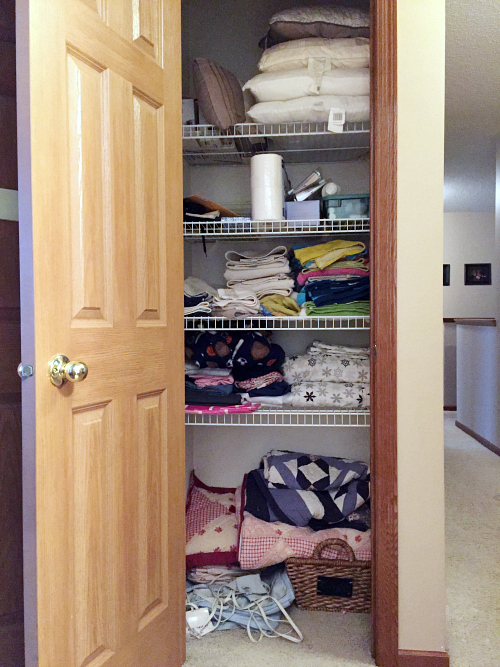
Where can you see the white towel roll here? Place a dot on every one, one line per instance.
(267, 186)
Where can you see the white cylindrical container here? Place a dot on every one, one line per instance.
(267, 186)
(330, 188)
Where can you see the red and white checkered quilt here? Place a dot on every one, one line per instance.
(263, 544)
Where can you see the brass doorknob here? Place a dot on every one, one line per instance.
(62, 369)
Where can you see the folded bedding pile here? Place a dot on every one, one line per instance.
(227, 369)
(198, 296)
(329, 376)
(332, 279)
(295, 501)
(317, 60)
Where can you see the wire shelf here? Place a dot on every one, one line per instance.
(261, 323)
(283, 417)
(297, 142)
(196, 231)
(260, 130)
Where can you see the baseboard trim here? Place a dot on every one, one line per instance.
(450, 408)
(486, 443)
(423, 659)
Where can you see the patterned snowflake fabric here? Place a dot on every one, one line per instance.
(330, 395)
(323, 365)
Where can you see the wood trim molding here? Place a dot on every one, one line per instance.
(423, 659)
(383, 214)
(450, 408)
(486, 443)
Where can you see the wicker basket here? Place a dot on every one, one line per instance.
(304, 574)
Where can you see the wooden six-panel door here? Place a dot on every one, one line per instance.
(101, 168)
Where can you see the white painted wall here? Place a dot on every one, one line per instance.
(421, 32)
(469, 238)
(476, 380)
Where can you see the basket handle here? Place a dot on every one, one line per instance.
(334, 542)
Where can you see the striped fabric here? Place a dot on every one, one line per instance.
(219, 94)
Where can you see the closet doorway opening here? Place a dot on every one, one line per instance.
(222, 132)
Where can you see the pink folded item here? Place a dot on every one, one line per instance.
(260, 382)
(222, 410)
(302, 278)
(211, 381)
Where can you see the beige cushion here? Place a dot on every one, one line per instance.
(311, 109)
(329, 53)
(219, 94)
(293, 83)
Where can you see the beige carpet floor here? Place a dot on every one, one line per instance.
(473, 582)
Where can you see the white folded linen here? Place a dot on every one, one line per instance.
(279, 284)
(269, 401)
(317, 347)
(194, 286)
(226, 297)
(202, 307)
(249, 273)
(234, 256)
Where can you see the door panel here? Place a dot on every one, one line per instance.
(109, 450)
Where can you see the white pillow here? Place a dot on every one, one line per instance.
(311, 109)
(290, 84)
(356, 18)
(342, 52)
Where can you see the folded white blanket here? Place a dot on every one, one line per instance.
(279, 284)
(270, 401)
(235, 257)
(194, 286)
(192, 369)
(202, 307)
(317, 347)
(244, 297)
(264, 271)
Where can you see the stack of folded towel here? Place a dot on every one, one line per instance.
(318, 60)
(329, 376)
(262, 274)
(198, 296)
(332, 278)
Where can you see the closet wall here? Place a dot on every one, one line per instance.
(228, 33)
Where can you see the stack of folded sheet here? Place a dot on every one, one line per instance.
(198, 296)
(296, 500)
(262, 275)
(329, 376)
(318, 60)
(235, 304)
(332, 279)
(232, 368)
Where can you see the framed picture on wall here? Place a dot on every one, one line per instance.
(446, 275)
(477, 274)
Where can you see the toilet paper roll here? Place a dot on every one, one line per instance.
(267, 186)
(330, 188)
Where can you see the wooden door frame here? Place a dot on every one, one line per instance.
(383, 431)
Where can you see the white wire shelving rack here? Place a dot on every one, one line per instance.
(283, 417)
(197, 231)
(282, 323)
(298, 142)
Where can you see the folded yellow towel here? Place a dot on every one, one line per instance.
(279, 304)
(325, 254)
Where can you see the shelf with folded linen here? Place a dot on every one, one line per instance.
(246, 379)
(296, 141)
(251, 229)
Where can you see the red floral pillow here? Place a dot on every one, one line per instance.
(211, 525)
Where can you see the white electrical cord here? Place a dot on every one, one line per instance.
(228, 601)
